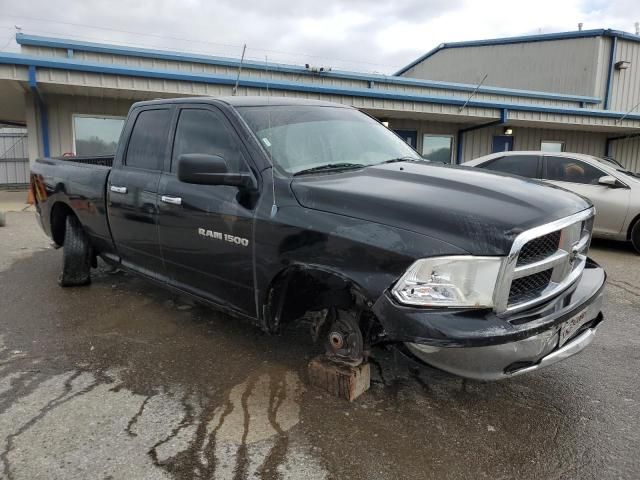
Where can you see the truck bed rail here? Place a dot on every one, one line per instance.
(102, 160)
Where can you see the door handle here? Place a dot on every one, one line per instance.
(116, 189)
(171, 200)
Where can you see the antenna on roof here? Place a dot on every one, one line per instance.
(637, 24)
(235, 87)
(580, 27)
(269, 145)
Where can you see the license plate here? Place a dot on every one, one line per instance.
(568, 328)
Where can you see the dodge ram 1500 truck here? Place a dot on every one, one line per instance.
(276, 209)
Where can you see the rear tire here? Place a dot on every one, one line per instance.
(635, 236)
(76, 256)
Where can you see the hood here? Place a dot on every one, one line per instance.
(472, 209)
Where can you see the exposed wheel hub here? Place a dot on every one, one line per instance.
(344, 338)
(336, 339)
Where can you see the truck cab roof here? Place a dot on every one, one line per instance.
(244, 101)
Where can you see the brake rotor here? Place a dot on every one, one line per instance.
(344, 338)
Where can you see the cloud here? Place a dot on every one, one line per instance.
(345, 34)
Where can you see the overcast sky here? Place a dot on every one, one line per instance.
(364, 35)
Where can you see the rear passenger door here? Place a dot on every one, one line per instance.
(528, 166)
(206, 231)
(133, 187)
(582, 178)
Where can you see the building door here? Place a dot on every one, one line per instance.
(409, 136)
(502, 143)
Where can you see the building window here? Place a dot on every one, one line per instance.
(547, 146)
(96, 135)
(437, 148)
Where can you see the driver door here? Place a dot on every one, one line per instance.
(206, 231)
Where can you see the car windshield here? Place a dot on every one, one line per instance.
(305, 139)
(612, 162)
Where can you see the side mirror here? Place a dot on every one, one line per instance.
(203, 169)
(609, 181)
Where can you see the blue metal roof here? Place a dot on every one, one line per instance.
(546, 37)
(39, 41)
(280, 85)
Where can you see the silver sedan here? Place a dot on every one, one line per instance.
(614, 191)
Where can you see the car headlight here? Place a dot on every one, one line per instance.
(456, 281)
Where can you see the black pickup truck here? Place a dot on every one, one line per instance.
(279, 209)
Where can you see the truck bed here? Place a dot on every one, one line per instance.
(78, 183)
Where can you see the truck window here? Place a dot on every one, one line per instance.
(204, 131)
(523, 165)
(148, 142)
(566, 169)
(299, 137)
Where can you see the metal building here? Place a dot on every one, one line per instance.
(73, 96)
(596, 63)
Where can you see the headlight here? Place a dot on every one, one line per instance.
(457, 281)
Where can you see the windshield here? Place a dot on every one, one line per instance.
(612, 162)
(303, 138)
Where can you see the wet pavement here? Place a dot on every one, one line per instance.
(122, 380)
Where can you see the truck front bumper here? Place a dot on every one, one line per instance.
(483, 346)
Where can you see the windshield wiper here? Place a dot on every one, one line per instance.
(401, 159)
(628, 172)
(330, 166)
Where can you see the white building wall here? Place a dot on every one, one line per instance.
(627, 152)
(625, 91)
(479, 142)
(428, 128)
(565, 66)
(603, 55)
(61, 108)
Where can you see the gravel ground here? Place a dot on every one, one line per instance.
(122, 380)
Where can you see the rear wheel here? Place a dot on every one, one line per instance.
(76, 256)
(635, 236)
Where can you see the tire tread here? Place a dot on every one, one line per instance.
(76, 256)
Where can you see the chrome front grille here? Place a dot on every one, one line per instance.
(529, 287)
(539, 248)
(543, 262)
